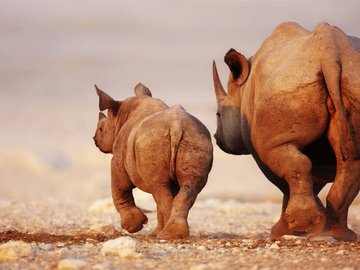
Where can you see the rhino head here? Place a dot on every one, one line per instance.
(229, 122)
(105, 132)
(117, 113)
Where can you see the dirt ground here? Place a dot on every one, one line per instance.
(225, 234)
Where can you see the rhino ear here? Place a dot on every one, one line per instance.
(142, 90)
(106, 102)
(238, 65)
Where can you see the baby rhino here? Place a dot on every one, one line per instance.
(162, 150)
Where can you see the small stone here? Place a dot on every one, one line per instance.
(274, 246)
(323, 239)
(13, 250)
(341, 252)
(162, 241)
(91, 241)
(298, 242)
(290, 237)
(45, 246)
(201, 248)
(102, 228)
(125, 247)
(71, 264)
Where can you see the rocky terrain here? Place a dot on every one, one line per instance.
(225, 234)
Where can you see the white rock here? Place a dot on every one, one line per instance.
(290, 237)
(103, 205)
(341, 252)
(274, 246)
(45, 246)
(13, 250)
(71, 264)
(125, 247)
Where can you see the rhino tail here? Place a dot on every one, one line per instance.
(332, 68)
(176, 134)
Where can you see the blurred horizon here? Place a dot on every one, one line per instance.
(53, 52)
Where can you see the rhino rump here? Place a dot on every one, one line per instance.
(170, 144)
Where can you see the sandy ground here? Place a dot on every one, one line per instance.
(225, 234)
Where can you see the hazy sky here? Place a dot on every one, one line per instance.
(53, 52)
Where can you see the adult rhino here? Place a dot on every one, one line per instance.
(295, 106)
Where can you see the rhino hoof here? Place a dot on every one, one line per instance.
(304, 215)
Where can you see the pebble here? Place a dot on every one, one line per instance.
(102, 228)
(341, 252)
(325, 239)
(13, 250)
(125, 247)
(71, 264)
(291, 237)
(45, 246)
(274, 246)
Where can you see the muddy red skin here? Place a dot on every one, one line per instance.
(162, 150)
(295, 106)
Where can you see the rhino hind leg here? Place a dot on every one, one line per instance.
(345, 188)
(342, 193)
(163, 197)
(281, 227)
(303, 213)
(177, 226)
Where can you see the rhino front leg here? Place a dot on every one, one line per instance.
(132, 218)
(281, 227)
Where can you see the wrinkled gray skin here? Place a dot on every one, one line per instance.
(295, 106)
(162, 150)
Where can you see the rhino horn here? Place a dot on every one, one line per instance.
(219, 89)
